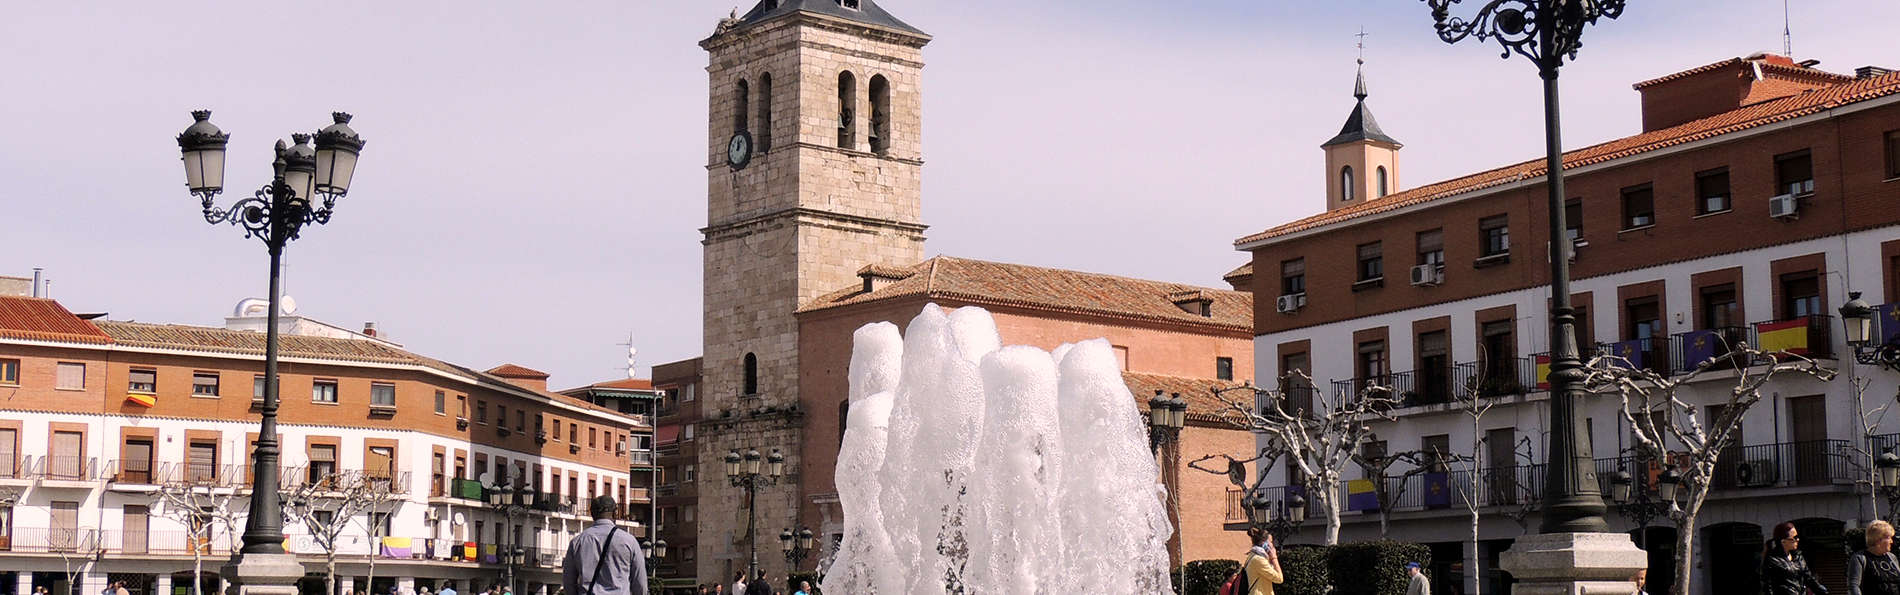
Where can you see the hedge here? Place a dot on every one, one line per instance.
(1368, 568)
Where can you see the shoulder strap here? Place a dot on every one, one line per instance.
(606, 544)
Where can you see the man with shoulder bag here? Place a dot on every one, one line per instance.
(604, 559)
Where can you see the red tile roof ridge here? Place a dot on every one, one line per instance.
(517, 371)
(1681, 74)
(1244, 270)
(43, 319)
(1750, 116)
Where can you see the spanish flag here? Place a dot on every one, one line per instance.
(142, 400)
(1543, 372)
(1788, 335)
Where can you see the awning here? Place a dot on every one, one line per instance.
(667, 435)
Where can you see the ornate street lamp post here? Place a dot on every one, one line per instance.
(796, 544)
(742, 470)
(1635, 504)
(1280, 519)
(511, 502)
(656, 551)
(305, 183)
(1858, 318)
(1889, 466)
(1166, 417)
(1547, 32)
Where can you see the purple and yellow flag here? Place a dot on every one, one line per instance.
(1631, 350)
(396, 547)
(1888, 316)
(1700, 346)
(1787, 335)
(1361, 495)
(1438, 490)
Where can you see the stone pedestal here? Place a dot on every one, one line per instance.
(1573, 564)
(254, 574)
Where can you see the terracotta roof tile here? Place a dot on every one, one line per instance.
(41, 319)
(1198, 392)
(1245, 270)
(1751, 116)
(514, 371)
(994, 283)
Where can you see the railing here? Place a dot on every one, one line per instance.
(133, 471)
(671, 489)
(467, 489)
(1811, 335)
(1299, 396)
(180, 543)
(640, 457)
(57, 540)
(1399, 382)
(1516, 377)
(634, 493)
(1719, 343)
(1780, 464)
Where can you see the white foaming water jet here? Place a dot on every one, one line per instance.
(971, 468)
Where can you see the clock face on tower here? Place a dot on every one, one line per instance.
(739, 149)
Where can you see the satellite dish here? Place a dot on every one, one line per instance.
(458, 519)
(631, 352)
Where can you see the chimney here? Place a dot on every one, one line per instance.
(1864, 72)
(369, 329)
(877, 276)
(1728, 85)
(36, 281)
(527, 378)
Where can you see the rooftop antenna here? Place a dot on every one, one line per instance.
(1787, 35)
(631, 352)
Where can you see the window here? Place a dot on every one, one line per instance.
(1298, 389)
(1345, 184)
(142, 380)
(257, 387)
(1573, 220)
(63, 535)
(201, 461)
(441, 403)
(1499, 355)
(501, 415)
(1893, 154)
(880, 115)
(1794, 173)
(1434, 367)
(204, 384)
(9, 452)
(323, 391)
(9, 371)
(593, 437)
(574, 433)
(481, 411)
(1435, 447)
(1494, 236)
(1224, 368)
(1431, 248)
(689, 473)
(751, 375)
(1371, 364)
(70, 376)
(1639, 207)
(847, 110)
(1645, 318)
(741, 105)
(763, 140)
(851, 4)
(521, 417)
(382, 394)
(322, 462)
(1293, 277)
(1800, 295)
(686, 393)
(1371, 265)
(1711, 191)
(1719, 308)
(686, 432)
(1384, 186)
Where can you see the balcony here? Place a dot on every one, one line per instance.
(1810, 336)
(1774, 465)
(60, 470)
(467, 489)
(1716, 344)
(1507, 376)
(58, 540)
(641, 457)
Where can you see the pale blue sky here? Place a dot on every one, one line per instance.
(533, 181)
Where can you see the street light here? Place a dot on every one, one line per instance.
(1291, 513)
(1858, 317)
(797, 545)
(655, 550)
(274, 214)
(749, 477)
(1547, 32)
(1637, 505)
(1166, 417)
(512, 502)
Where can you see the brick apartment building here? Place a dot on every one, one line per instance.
(96, 417)
(1760, 193)
(677, 454)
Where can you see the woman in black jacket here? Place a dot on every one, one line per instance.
(1875, 570)
(1783, 570)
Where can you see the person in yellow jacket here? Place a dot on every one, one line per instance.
(1263, 563)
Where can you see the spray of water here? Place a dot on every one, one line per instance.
(977, 469)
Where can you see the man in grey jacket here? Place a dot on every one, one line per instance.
(604, 559)
(1418, 584)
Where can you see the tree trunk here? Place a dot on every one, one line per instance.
(1477, 485)
(1685, 538)
(329, 576)
(1327, 499)
(197, 570)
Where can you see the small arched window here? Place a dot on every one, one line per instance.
(847, 110)
(751, 375)
(764, 136)
(741, 105)
(1384, 188)
(1345, 184)
(880, 114)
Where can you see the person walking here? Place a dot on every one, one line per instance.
(448, 588)
(804, 588)
(1416, 585)
(759, 586)
(738, 584)
(1262, 568)
(1783, 570)
(1875, 570)
(603, 559)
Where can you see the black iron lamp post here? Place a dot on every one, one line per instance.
(1637, 505)
(1166, 417)
(512, 502)
(1858, 317)
(305, 183)
(797, 545)
(743, 471)
(1889, 466)
(656, 551)
(1279, 519)
(1547, 32)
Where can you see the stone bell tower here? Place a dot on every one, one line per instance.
(814, 164)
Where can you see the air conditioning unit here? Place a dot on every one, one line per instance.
(1783, 206)
(1755, 473)
(1427, 275)
(1287, 304)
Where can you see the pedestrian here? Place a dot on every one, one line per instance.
(448, 588)
(1783, 570)
(719, 589)
(602, 559)
(1262, 568)
(804, 588)
(1642, 576)
(1417, 585)
(738, 584)
(759, 586)
(1875, 570)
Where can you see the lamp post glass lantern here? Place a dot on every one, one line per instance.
(750, 478)
(275, 214)
(1858, 319)
(1889, 465)
(1547, 32)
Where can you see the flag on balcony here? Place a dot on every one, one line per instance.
(1631, 350)
(1889, 317)
(468, 551)
(1701, 346)
(397, 547)
(1788, 335)
(490, 554)
(1438, 490)
(142, 400)
(1543, 373)
(1361, 495)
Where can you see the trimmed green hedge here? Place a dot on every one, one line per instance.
(1305, 570)
(1204, 577)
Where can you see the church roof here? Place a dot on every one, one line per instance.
(1092, 294)
(1360, 125)
(867, 12)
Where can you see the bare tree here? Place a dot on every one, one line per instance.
(1378, 469)
(200, 507)
(1472, 403)
(1866, 450)
(1659, 414)
(1320, 442)
(379, 503)
(326, 505)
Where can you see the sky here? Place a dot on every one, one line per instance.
(533, 183)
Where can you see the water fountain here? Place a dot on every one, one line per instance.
(972, 468)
